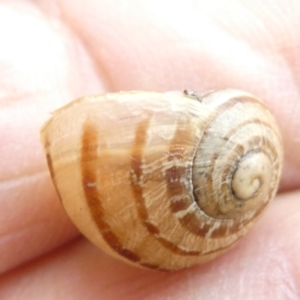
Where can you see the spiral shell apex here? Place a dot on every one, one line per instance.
(164, 180)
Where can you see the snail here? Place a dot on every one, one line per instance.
(164, 180)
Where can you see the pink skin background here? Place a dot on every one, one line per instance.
(52, 52)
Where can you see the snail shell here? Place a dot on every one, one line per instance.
(164, 180)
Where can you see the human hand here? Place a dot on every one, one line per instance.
(53, 52)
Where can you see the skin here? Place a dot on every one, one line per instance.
(55, 51)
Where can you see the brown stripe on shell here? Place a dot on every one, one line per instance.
(202, 227)
(223, 230)
(252, 121)
(227, 105)
(49, 159)
(176, 152)
(50, 167)
(180, 205)
(137, 188)
(89, 155)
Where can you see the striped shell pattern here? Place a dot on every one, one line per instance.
(164, 180)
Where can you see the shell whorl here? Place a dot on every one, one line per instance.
(164, 181)
(238, 162)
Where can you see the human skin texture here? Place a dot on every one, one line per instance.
(52, 52)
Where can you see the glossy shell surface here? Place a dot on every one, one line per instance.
(164, 180)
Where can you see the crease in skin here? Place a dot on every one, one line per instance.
(6, 237)
(14, 181)
(10, 97)
(12, 218)
(250, 22)
(105, 72)
(56, 18)
(13, 245)
(291, 179)
(50, 9)
(101, 73)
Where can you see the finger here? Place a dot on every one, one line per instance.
(119, 66)
(36, 69)
(263, 259)
(188, 44)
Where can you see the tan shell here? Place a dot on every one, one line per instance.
(164, 180)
